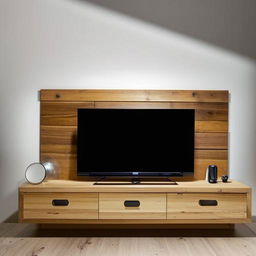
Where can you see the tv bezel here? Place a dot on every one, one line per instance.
(137, 174)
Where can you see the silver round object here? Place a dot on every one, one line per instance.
(35, 173)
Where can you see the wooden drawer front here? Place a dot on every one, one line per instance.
(206, 206)
(50, 206)
(132, 206)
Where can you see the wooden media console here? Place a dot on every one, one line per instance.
(83, 202)
(69, 199)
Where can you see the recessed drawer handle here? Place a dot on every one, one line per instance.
(131, 203)
(60, 202)
(208, 202)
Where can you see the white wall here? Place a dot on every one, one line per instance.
(226, 23)
(72, 44)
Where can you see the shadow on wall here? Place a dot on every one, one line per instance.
(228, 23)
(14, 218)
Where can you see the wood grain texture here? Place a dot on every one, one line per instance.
(67, 163)
(61, 113)
(134, 245)
(135, 95)
(58, 144)
(207, 106)
(66, 136)
(81, 206)
(199, 186)
(152, 206)
(65, 113)
(211, 141)
(211, 126)
(186, 206)
(138, 221)
(58, 129)
(203, 110)
(71, 121)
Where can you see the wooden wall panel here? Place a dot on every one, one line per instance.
(211, 126)
(66, 136)
(67, 163)
(134, 95)
(209, 116)
(61, 113)
(211, 140)
(203, 110)
(59, 121)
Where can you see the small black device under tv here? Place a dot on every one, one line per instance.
(135, 142)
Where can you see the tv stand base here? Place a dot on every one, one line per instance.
(135, 181)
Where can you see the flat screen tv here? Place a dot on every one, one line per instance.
(135, 142)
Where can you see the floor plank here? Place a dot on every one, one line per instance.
(233, 246)
(110, 246)
(29, 239)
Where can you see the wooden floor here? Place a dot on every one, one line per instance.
(28, 239)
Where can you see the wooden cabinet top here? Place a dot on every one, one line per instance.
(182, 187)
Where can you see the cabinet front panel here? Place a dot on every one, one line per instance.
(206, 206)
(60, 206)
(132, 206)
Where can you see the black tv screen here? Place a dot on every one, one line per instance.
(135, 142)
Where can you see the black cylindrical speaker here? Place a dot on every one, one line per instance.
(212, 173)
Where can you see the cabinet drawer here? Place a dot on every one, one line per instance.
(206, 206)
(132, 206)
(60, 206)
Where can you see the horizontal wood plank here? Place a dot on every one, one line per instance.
(61, 113)
(71, 120)
(63, 108)
(142, 221)
(66, 136)
(68, 166)
(211, 154)
(211, 140)
(134, 95)
(65, 113)
(57, 148)
(202, 164)
(198, 186)
(199, 153)
(211, 126)
(208, 106)
(157, 243)
(203, 110)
